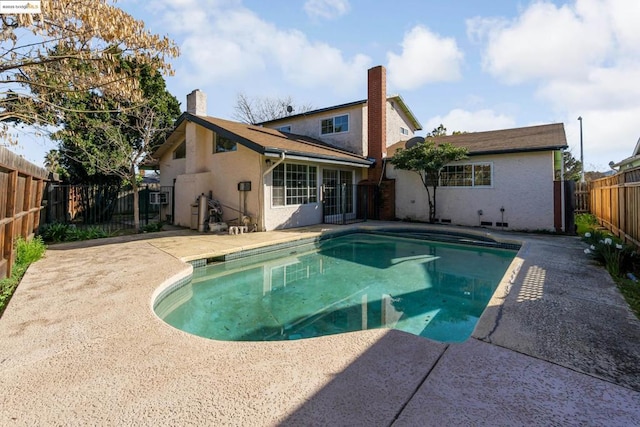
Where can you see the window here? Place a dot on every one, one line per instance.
(294, 184)
(336, 124)
(286, 128)
(404, 131)
(223, 144)
(181, 151)
(469, 175)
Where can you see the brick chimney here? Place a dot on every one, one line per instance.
(377, 118)
(197, 103)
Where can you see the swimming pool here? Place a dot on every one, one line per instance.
(352, 282)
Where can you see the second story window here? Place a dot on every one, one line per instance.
(181, 151)
(335, 124)
(223, 144)
(404, 131)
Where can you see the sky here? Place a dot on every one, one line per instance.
(471, 65)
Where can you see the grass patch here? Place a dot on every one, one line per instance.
(27, 252)
(631, 292)
(585, 223)
(621, 260)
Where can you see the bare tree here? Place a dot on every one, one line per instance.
(257, 110)
(73, 46)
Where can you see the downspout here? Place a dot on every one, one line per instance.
(382, 170)
(264, 174)
(273, 166)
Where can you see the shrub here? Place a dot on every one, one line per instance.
(152, 227)
(58, 232)
(55, 232)
(28, 252)
(616, 256)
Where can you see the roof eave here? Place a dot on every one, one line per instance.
(518, 150)
(406, 110)
(297, 155)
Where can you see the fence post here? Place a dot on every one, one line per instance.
(26, 206)
(9, 228)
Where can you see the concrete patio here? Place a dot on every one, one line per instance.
(80, 345)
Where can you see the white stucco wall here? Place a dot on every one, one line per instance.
(218, 173)
(522, 185)
(187, 188)
(396, 119)
(310, 126)
(278, 217)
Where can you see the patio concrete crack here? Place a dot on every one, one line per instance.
(419, 386)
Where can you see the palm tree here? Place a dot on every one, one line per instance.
(52, 160)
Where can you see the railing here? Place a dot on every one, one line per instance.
(108, 207)
(21, 188)
(339, 204)
(615, 201)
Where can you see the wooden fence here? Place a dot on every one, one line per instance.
(582, 198)
(21, 189)
(615, 201)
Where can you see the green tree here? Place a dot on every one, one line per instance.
(572, 167)
(52, 161)
(107, 147)
(427, 160)
(439, 131)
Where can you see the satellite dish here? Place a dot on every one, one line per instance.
(289, 109)
(413, 141)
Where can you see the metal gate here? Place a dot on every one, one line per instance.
(339, 203)
(109, 207)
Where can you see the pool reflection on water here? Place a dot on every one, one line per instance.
(348, 283)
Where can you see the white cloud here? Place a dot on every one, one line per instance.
(470, 121)
(584, 60)
(227, 42)
(546, 41)
(607, 135)
(426, 57)
(328, 9)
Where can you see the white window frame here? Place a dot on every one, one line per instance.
(404, 130)
(312, 191)
(333, 124)
(473, 165)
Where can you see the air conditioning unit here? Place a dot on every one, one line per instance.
(158, 198)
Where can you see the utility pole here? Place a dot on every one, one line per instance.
(581, 153)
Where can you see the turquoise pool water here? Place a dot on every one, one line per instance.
(348, 283)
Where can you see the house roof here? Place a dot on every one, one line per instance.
(266, 141)
(517, 140)
(395, 98)
(629, 161)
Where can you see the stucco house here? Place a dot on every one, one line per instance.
(296, 171)
(507, 181)
(331, 164)
(630, 162)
